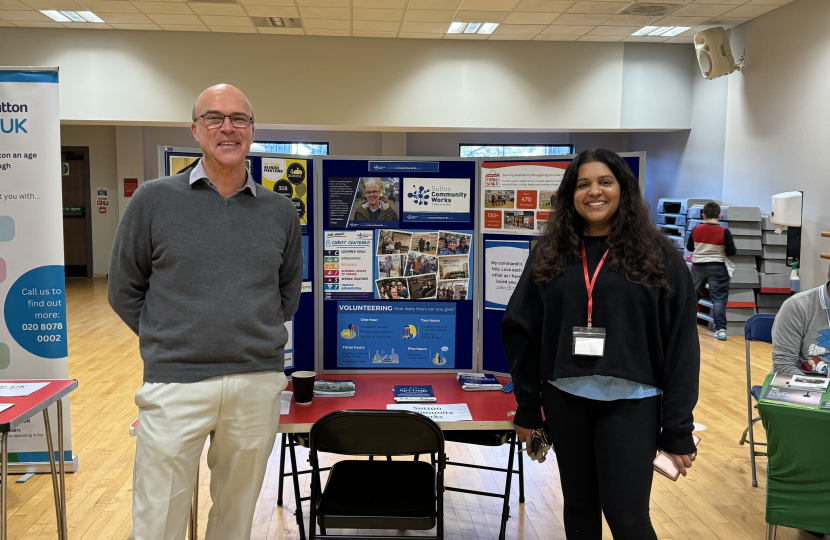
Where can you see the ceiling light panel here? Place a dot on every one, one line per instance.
(457, 27)
(676, 30)
(55, 15)
(472, 28)
(659, 31)
(72, 16)
(89, 16)
(488, 28)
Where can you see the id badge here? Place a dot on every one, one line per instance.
(588, 341)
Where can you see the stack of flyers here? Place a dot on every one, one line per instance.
(324, 388)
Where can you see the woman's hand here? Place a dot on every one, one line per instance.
(524, 436)
(682, 462)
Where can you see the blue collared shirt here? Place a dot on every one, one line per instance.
(198, 173)
(604, 388)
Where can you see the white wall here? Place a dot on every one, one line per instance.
(689, 163)
(129, 146)
(347, 83)
(103, 174)
(778, 121)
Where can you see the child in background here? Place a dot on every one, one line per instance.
(711, 245)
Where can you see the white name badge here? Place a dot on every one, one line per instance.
(588, 341)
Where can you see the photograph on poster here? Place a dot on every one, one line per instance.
(377, 200)
(422, 287)
(453, 267)
(519, 220)
(496, 198)
(452, 290)
(417, 264)
(391, 242)
(452, 243)
(542, 218)
(392, 289)
(425, 242)
(546, 199)
(389, 265)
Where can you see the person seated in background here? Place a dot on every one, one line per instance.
(801, 333)
(711, 245)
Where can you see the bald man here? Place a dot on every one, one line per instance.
(206, 269)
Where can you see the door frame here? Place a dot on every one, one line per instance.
(88, 198)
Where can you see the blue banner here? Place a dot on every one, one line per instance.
(396, 335)
(403, 166)
(422, 216)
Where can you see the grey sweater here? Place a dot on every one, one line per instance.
(801, 334)
(206, 282)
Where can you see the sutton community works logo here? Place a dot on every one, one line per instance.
(421, 195)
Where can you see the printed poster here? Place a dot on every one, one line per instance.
(288, 177)
(436, 199)
(347, 265)
(395, 335)
(504, 263)
(517, 197)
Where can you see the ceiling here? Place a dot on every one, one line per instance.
(519, 20)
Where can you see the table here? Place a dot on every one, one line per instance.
(798, 479)
(374, 391)
(491, 410)
(24, 408)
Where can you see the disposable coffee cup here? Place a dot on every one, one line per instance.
(303, 386)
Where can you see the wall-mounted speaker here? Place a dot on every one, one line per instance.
(714, 55)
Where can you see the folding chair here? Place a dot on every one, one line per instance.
(491, 438)
(757, 328)
(291, 441)
(360, 494)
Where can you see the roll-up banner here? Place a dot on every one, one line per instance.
(33, 329)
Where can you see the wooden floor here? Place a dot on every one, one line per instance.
(716, 501)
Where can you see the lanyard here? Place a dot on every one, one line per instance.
(589, 285)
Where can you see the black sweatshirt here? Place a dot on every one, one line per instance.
(651, 337)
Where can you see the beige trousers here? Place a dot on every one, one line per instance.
(240, 413)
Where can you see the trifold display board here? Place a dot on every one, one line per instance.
(292, 176)
(398, 245)
(515, 203)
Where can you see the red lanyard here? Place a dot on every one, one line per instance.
(589, 285)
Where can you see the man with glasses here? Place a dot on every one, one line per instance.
(374, 209)
(206, 268)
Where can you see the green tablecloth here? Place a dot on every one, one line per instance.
(798, 472)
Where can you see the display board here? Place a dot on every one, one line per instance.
(398, 274)
(293, 177)
(33, 327)
(516, 196)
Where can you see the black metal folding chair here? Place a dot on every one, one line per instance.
(757, 328)
(491, 438)
(291, 441)
(391, 494)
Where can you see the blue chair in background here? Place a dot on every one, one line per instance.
(757, 328)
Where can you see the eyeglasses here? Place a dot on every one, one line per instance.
(214, 120)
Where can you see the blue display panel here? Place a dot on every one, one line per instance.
(292, 177)
(492, 351)
(398, 237)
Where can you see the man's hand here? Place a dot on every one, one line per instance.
(682, 462)
(524, 435)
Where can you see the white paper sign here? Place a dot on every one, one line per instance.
(21, 389)
(4, 406)
(285, 402)
(437, 413)
(436, 195)
(504, 262)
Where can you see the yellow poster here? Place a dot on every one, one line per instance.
(179, 163)
(290, 178)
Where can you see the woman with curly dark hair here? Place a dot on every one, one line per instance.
(600, 333)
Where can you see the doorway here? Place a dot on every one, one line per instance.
(77, 222)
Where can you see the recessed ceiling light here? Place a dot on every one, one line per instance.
(457, 27)
(472, 27)
(90, 16)
(74, 17)
(677, 30)
(644, 31)
(55, 15)
(488, 28)
(660, 31)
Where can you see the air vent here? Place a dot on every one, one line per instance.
(649, 9)
(277, 22)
